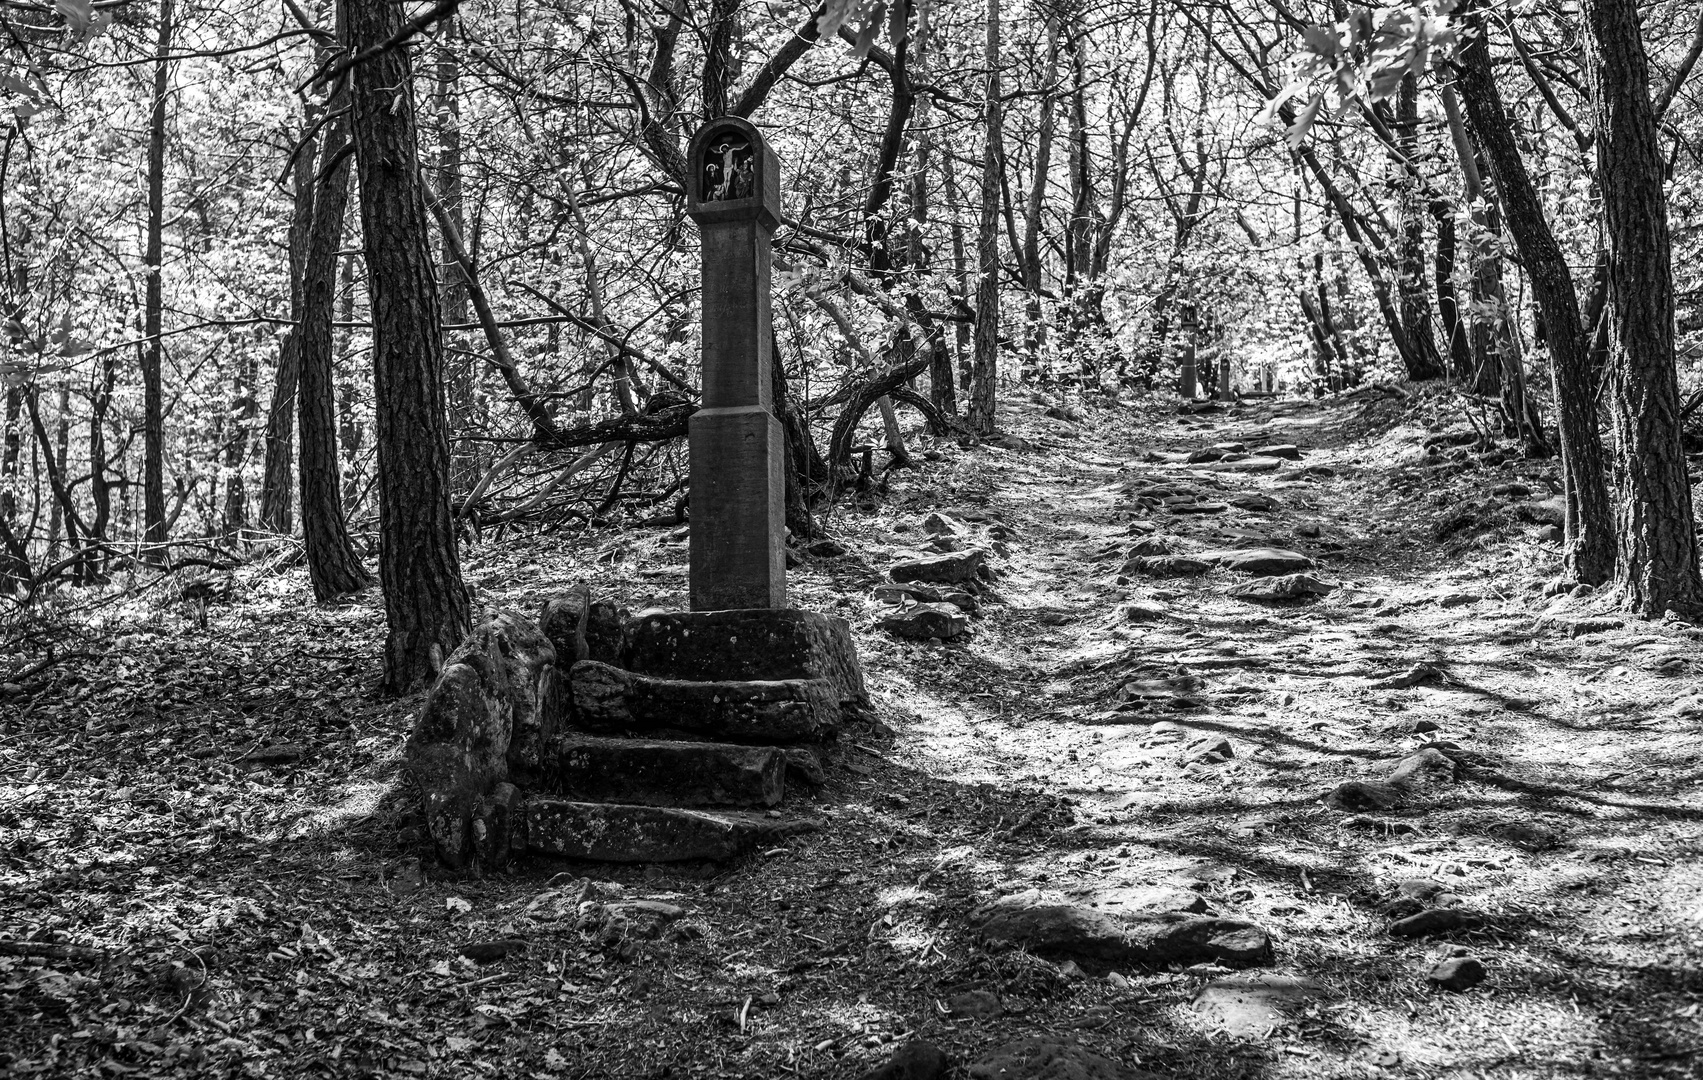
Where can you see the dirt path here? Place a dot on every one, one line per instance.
(215, 915)
(1573, 842)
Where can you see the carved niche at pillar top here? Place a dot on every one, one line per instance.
(729, 167)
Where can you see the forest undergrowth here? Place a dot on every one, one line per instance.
(211, 865)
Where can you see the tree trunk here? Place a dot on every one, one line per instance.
(275, 486)
(1423, 363)
(1656, 570)
(426, 604)
(465, 466)
(244, 408)
(1034, 326)
(333, 566)
(984, 367)
(1590, 549)
(153, 410)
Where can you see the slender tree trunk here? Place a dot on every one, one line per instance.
(465, 466)
(961, 274)
(153, 410)
(1424, 363)
(1656, 569)
(426, 604)
(333, 566)
(9, 457)
(984, 367)
(244, 408)
(1590, 548)
(1034, 326)
(276, 488)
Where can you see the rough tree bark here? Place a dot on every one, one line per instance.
(1656, 570)
(333, 567)
(1590, 548)
(426, 605)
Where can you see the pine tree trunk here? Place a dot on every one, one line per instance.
(275, 487)
(1590, 548)
(1656, 570)
(984, 366)
(426, 604)
(461, 363)
(153, 409)
(333, 566)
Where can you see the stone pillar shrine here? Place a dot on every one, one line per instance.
(737, 552)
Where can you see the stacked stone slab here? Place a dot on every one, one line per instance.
(651, 739)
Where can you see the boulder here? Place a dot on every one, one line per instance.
(664, 773)
(924, 621)
(608, 698)
(1260, 561)
(1198, 508)
(1288, 451)
(1165, 566)
(489, 716)
(517, 663)
(1278, 589)
(750, 643)
(1050, 1059)
(949, 568)
(613, 832)
(1051, 927)
(605, 629)
(1148, 546)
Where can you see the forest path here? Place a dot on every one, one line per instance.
(210, 862)
(1196, 745)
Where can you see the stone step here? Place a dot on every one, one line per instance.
(616, 832)
(607, 698)
(781, 644)
(654, 772)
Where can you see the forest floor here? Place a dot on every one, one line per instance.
(210, 865)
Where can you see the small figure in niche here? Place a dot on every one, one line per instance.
(728, 170)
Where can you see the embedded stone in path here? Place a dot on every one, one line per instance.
(1165, 566)
(1260, 561)
(1251, 1005)
(1241, 465)
(1254, 501)
(1287, 587)
(1051, 1059)
(1457, 974)
(921, 622)
(949, 568)
(659, 773)
(616, 832)
(608, 698)
(1051, 927)
(748, 643)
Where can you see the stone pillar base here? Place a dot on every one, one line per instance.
(738, 525)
